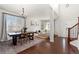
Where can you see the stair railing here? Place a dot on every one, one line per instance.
(73, 31)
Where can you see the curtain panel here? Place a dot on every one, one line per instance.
(10, 23)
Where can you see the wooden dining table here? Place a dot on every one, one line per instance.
(14, 36)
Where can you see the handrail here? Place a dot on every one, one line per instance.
(74, 25)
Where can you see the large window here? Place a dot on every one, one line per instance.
(13, 23)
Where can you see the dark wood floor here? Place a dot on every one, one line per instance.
(60, 46)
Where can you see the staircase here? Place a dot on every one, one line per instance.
(73, 32)
(73, 35)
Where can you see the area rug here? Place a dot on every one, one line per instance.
(10, 49)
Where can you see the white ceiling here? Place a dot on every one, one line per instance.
(42, 10)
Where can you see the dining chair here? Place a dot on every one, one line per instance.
(23, 38)
(30, 36)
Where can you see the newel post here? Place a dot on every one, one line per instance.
(68, 35)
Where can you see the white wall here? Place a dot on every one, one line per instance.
(68, 16)
(35, 20)
(36, 24)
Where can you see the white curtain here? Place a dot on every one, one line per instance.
(3, 32)
(10, 24)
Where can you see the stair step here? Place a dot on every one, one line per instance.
(75, 43)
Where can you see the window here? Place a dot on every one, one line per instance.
(45, 25)
(13, 23)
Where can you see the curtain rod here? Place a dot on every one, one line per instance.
(12, 14)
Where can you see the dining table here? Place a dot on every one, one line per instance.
(14, 36)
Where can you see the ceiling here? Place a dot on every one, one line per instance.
(41, 10)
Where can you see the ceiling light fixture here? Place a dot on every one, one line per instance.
(24, 19)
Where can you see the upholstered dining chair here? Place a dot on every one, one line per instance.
(23, 38)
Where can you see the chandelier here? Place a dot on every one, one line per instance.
(25, 28)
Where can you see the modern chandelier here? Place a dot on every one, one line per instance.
(24, 19)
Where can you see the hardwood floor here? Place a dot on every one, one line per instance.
(60, 46)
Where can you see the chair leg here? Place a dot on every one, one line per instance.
(21, 41)
(24, 40)
(28, 40)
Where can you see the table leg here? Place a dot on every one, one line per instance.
(14, 40)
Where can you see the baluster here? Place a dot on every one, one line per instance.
(74, 32)
(77, 32)
(68, 35)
